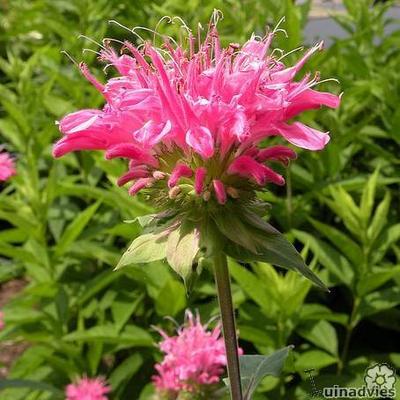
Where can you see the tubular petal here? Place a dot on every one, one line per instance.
(181, 170)
(199, 177)
(303, 136)
(220, 191)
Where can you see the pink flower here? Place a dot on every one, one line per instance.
(194, 359)
(2, 324)
(7, 166)
(200, 114)
(87, 389)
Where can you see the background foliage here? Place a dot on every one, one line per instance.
(62, 227)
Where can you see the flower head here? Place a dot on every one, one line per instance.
(194, 359)
(7, 166)
(87, 389)
(197, 116)
(196, 125)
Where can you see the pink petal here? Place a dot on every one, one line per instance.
(180, 170)
(151, 133)
(79, 121)
(220, 192)
(201, 140)
(247, 167)
(140, 184)
(311, 99)
(288, 74)
(77, 142)
(129, 150)
(131, 175)
(199, 177)
(278, 153)
(303, 136)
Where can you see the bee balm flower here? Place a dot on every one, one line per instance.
(191, 123)
(87, 389)
(178, 112)
(194, 360)
(7, 166)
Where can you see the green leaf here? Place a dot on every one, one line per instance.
(322, 334)
(341, 241)
(328, 257)
(275, 249)
(132, 335)
(144, 249)
(378, 301)
(261, 293)
(368, 196)
(254, 368)
(380, 218)
(171, 298)
(125, 370)
(32, 385)
(385, 240)
(235, 230)
(74, 229)
(314, 359)
(182, 248)
(376, 278)
(343, 205)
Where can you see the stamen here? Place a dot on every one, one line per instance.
(85, 50)
(290, 52)
(281, 21)
(112, 21)
(91, 40)
(70, 58)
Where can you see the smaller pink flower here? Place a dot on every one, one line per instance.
(87, 389)
(193, 361)
(7, 166)
(2, 324)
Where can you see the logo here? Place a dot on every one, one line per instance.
(381, 376)
(379, 381)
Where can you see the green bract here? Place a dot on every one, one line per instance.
(234, 228)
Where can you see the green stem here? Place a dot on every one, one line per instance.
(222, 280)
(349, 332)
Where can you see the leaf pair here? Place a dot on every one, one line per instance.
(243, 235)
(178, 243)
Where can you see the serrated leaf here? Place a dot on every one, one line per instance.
(144, 249)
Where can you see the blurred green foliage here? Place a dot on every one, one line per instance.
(62, 223)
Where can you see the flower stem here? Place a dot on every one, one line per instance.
(223, 282)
